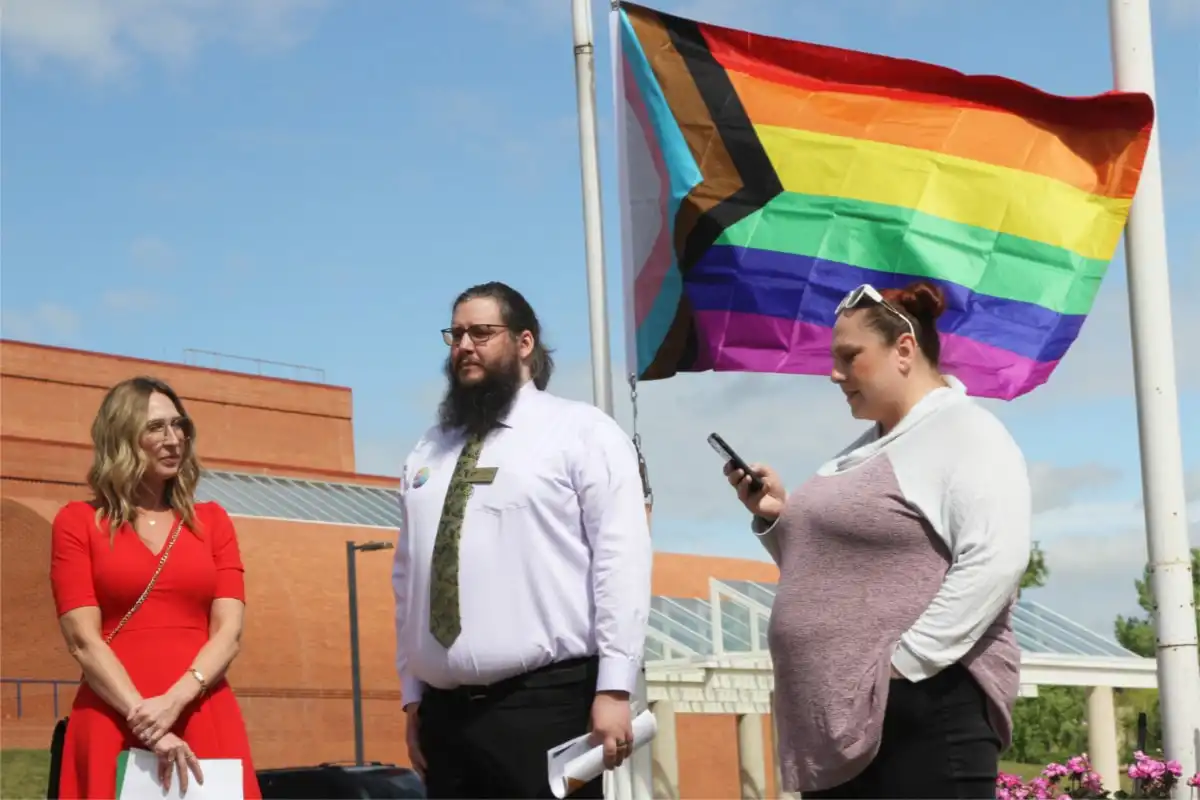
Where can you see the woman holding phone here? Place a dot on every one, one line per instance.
(149, 590)
(896, 668)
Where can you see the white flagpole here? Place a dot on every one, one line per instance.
(624, 783)
(1158, 412)
(593, 227)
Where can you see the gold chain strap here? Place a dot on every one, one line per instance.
(162, 562)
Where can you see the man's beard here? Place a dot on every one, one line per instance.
(478, 408)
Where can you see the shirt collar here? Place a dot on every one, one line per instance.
(525, 395)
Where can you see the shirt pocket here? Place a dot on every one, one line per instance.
(508, 492)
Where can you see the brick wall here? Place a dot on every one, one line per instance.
(293, 674)
(52, 394)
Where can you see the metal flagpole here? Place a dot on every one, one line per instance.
(1158, 411)
(622, 783)
(593, 228)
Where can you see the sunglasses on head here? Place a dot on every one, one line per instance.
(855, 297)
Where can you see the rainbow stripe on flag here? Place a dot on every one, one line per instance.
(762, 179)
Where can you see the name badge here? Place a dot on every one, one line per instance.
(481, 475)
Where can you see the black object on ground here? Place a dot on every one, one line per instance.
(341, 782)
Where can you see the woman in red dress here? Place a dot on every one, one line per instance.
(150, 595)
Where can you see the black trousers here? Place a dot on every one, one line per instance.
(937, 743)
(491, 741)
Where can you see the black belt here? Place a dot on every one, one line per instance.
(559, 673)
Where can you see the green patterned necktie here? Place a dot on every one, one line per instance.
(445, 622)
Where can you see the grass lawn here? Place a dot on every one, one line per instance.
(1026, 771)
(23, 774)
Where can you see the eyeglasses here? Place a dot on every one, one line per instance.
(855, 297)
(182, 427)
(478, 333)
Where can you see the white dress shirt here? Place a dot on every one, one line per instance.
(554, 554)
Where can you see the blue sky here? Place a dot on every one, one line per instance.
(313, 181)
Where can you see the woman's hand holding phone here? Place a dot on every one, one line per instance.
(767, 503)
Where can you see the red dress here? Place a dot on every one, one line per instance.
(156, 646)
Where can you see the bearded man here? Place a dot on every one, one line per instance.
(522, 572)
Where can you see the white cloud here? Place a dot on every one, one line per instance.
(1100, 362)
(125, 300)
(792, 424)
(795, 423)
(106, 38)
(1182, 13)
(45, 322)
(485, 126)
(520, 13)
(152, 254)
(54, 323)
(1095, 550)
(749, 15)
(1055, 486)
(1092, 575)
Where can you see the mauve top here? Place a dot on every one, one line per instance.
(906, 550)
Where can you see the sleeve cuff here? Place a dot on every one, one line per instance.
(410, 691)
(762, 526)
(910, 666)
(618, 674)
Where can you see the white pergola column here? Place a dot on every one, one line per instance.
(752, 761)
(775, 768)
(1102, 736)
(664, 753)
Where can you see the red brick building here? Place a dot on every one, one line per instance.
(281, 458)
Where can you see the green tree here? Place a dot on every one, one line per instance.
(1036, 570)
(1130, 703)
(1049, 727)
(1137, 633)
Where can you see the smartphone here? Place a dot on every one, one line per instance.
(726, 452)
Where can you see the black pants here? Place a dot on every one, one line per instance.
(937, 743)
(491, 741)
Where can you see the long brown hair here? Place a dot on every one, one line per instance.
(119, 464)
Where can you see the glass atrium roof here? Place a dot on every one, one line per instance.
(684, 628)
(269, 496)
(679, 627)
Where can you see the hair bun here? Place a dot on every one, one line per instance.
(922, 299)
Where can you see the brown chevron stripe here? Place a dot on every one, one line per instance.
(737, 178)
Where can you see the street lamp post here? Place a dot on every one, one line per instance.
(352, 551)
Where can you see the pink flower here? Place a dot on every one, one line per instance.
(1145, 767)
(1078, 765)
(1041, 788)
(1194, 780)
(1175, 768)
(1007, 781)
(1055, 771)
(1091, 782)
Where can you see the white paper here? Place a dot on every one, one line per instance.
(222, 780)
(575, 763)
